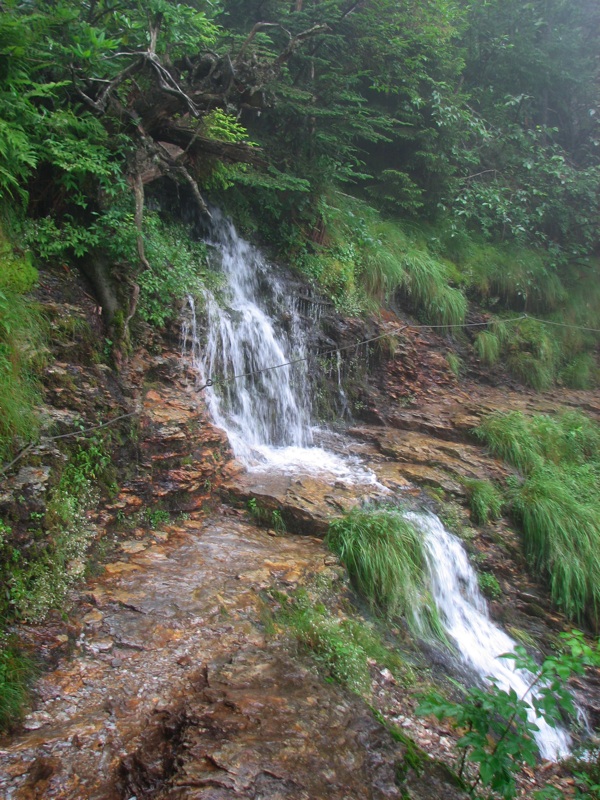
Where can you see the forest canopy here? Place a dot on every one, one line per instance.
(478, 119)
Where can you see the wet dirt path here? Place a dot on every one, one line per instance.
(173, 690)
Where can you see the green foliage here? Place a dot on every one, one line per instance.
(178, 267)
(262, 516)
(512, 277)
(17, 273)
(487, 347)
(488, 583)
(341, 646)
(385, 559)
(37, 578)
(581, 372)
(331, 641)
(371, 259)
(21, 343)
(224, 127)
(497, 735)
(16, 672)
(156, 517)
(585, 767)
(485, 501)
(557, 501)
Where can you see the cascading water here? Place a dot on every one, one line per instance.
(466, 621)
(266, 414)
(256, 406)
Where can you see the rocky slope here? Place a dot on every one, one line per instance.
(163, 678)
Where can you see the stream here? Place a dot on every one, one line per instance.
(261, 398)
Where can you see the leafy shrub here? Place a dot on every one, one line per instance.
(178, 265)
(497, 736)
(557, 501)
(385, 559)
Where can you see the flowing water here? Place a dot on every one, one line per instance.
(266, 413)
(466, 620)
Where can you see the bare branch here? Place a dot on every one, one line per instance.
(297, 40)
(258, 27)
(101, 103)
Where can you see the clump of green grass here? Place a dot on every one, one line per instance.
(580, 372)
(385, 558)
(488, 583)
(455, 363)
(516, 277)
(16, 672)
(556, 500)
(485, 501)
(330, 640)
(366, 259)
(487, 346)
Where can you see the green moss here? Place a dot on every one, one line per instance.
(17, 273)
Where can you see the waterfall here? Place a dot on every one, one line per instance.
(260, 407)
(464, 615)
(251, 328)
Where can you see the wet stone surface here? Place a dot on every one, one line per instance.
(173, 691)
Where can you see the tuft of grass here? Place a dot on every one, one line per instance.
(487, 346)
(16, 673)
(485, 501)
(385, 558)
(365, 259)
(455, 364)
(580, 372)
(515, 277)
(330, 640)
(556, 500)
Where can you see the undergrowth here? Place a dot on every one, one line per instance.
(21, 354)
(365, 260)
(385, 558)
(556, 500)
(37, 578)
(16, 672)
(361, 260)
(341, 646)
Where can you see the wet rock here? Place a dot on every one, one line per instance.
(264, 726)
